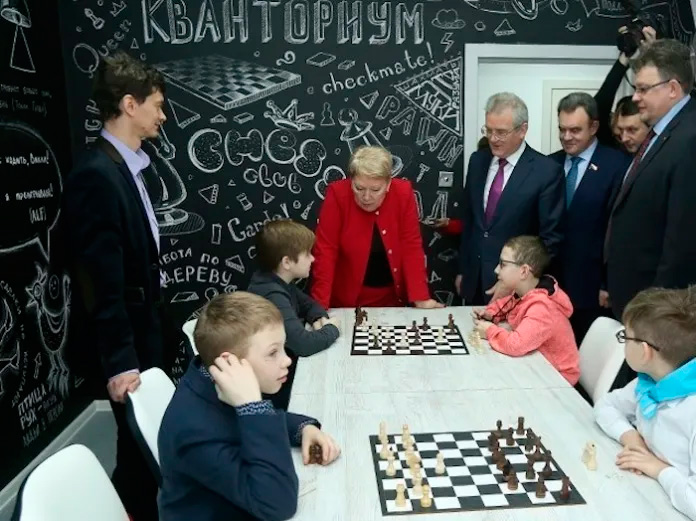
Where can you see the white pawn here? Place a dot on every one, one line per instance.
(391, 469)
(589, 456)
(417, 488)
(400, 495)
(384, 453)
(440, 465)
(426, 501)
(382, 429)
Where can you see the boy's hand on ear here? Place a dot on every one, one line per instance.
(311, 435)
(235, 381)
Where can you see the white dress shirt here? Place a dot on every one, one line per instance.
(670, 435)
(507, 171)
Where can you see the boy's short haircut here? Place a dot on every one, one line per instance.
(530, 250)
(119, 75)
(229, 320)
(665, 318)
(371, 161)
(280, 238)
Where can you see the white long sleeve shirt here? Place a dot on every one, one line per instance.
(670, 435)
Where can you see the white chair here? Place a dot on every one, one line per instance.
(601, 357)
(144, 412)
(69, 485)
(188, 329)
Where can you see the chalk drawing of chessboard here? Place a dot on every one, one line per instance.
(226, 82)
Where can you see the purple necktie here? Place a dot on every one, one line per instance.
(496, 191)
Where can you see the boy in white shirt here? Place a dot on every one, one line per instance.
(654, 416)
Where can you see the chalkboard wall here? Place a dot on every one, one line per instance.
(266, 101)
(37, 398)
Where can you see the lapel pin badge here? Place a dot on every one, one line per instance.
(593, 167)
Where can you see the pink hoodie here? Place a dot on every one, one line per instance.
(538, 321)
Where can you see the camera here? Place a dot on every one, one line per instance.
(629, 41)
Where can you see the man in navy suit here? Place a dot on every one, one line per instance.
(112, 245)
(593, 174)
(511, 189)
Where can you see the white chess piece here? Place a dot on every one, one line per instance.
(589, 456)
(400, 500)
(391, 469)
(440, 465)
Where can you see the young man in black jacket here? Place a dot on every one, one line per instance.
(283, 253)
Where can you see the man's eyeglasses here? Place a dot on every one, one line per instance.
(497, 134)
(621, 339)
(640, 89)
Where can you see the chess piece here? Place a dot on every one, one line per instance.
(520, 425)
(497, 455)
(530, 433)
(507, 469)
(405, 432)
(529, 444)
(414, 327)
(440, 465)
(541, 488)
(589, 456)
(441, 335)
(384, 452)
(425, 325)
(499, 429)
(513, 481)
(415, 469)
(491, 441)
(417, 488)
(315, 454)
(538, 456)
(400, 500)
(389, 348)
(501, 462)
(382, 430)
(547, 471)
(450, 322)
(510, 440)
(426, 501)
(565, 488)
(416, 339)
(391, 469)
(531, 474)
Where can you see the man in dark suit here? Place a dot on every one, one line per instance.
(650, 235)
(511, 189)
(593, 173)
(112, 248)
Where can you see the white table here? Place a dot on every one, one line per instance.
(347, 489)
(336, 371)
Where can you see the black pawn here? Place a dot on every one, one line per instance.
(547, 471)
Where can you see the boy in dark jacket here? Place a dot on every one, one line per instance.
(283, 253)
(224, 452)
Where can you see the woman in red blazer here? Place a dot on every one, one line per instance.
(368, 250)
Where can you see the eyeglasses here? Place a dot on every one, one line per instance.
(621, 339)
(497, 134)
(503, 262)
(640, 90)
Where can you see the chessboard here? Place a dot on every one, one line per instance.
(468, 478)
(404, 340)
(227, 82)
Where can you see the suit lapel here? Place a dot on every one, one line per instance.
(590, 175)
(478, 186)
(519, 173)
(122, 167)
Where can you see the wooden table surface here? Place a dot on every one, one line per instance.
(350, 395)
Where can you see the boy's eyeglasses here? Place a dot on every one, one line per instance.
(503, 262)
(621, 339)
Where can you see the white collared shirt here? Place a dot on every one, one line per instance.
(670, 434)
(586, 156)
(507, 171)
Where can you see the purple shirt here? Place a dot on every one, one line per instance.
(136, 162)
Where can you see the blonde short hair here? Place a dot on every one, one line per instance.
(665, 318)
(280, 238)
(229, 320)
(371, 161)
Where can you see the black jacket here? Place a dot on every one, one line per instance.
(650, 240)
(114, 264)
(297, 309)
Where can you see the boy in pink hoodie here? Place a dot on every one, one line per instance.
(536, 315)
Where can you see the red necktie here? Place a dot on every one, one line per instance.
(496, 191)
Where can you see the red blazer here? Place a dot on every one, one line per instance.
(344, 239)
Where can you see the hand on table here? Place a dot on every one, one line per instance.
(633, 440)
(235, 381)
(481, 326)
(335, 321)
(119, 385)
(428, 304)
(640, 460)
(311, 435)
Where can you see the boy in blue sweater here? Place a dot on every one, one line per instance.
(224, 452)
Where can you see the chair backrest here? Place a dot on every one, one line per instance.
(188, 328)
(69, 485)
(144, 412)
(601, 357)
